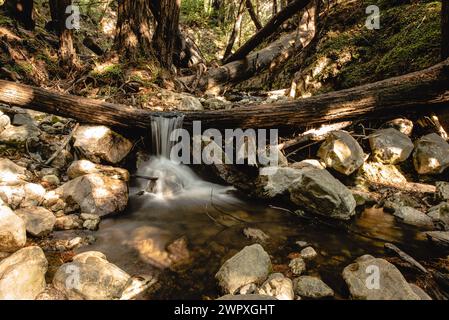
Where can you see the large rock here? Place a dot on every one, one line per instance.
(341, 152)
(82, 167)
(99, 143)
(18, 135)
(26, 195)
(22, 274)
(312, 287)
(277, 286)
(10, 173)
(318, 191)
(90, 277)
(38, 220)
(379, 173)
(390, 146)
(12, 231)
(95, 193)
(251, 265)
(411, 216)
(431, 154)
(362, 280)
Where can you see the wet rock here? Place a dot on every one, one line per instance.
(308, 253)
(277, 286)
(90, 221)
(50, 293)
(419, 292)
(390, 146)
(256, 234)
(18, 135)
(82, 167)
(22, 275)
(440, 238)
(341, 152)
(318, 191)
(38, 220)
(99, 143)
(442, 192)
(311, 287)
(364, 285)
(440, 213)
(12, 231)
(431, 154)
(404, 126)
(248, 297)
(10, 173)
(411, 216)
(90, 277)
(96, 194)
(68, 222)
(297, 265)
(379, 173)
(251, 265)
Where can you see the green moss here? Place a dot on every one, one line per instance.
(112, 72)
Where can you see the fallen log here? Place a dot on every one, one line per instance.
(289, 11)
(416, 93)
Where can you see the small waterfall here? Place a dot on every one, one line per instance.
(161, 129)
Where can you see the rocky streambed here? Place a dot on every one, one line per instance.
(73, 224)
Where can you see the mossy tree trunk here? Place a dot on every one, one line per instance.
(134, 29)
(22, 11)
(60, 21)
(445, 29)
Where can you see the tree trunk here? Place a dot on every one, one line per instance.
(253, 14)
(445, 29)
(67, 53)
(235, 30)
(167, 26)
(22, 11)
(268, 29)
(416, 93)
(134, 29)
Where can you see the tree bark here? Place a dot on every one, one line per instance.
(268, 29)
(413, 94)
(235, 30)
(167, 27)
(253, 14)
(134, 29)
(67, 53)
(445, 29)
(22, 11)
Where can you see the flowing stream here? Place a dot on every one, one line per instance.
(181, 209)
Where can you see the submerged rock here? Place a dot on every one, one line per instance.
(390, 146)
(99, 143)
(82, 167)
(308, 253)
(312, 287)
(96, 194)
(12, 231)
(251, 265)
(414, 217)
(256, 234)
(22, 274)
(277, 286)
(365, 284)
(317, 190)
(341, 152)
(431, 154)
(90, 277)
(38, 220)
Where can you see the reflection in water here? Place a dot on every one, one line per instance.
(185, 212)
